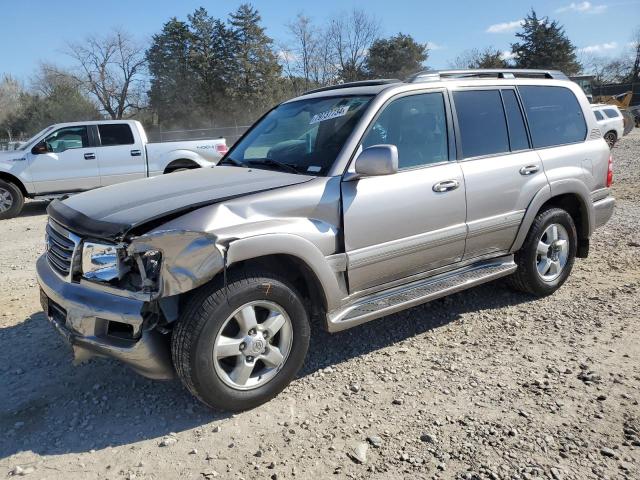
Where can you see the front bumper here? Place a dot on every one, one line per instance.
(85, 318)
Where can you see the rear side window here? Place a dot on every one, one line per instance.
(554, 114)
(517, 131)
(483, 127)
(611, 113)
(598, 115)
(115, 134)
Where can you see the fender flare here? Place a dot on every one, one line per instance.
(561, 187)
(174, 155)
(293, 245)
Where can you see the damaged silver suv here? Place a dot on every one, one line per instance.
(343, 205)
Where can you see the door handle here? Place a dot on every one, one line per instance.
(136, 153)
(89, 156)
(529, 169)
(446, 186)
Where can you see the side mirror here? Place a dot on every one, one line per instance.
(39, 148)
(377, 160)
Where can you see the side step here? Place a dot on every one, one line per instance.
(405, 296)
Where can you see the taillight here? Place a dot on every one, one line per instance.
(222, 148)
(610, 171)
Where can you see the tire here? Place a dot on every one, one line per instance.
(11, 200)
(208, 317)
(611, 138)
(528, 277)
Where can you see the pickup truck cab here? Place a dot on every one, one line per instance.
(341, 206)
(73, 157)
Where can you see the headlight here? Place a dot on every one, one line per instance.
(149, 267)
(100, 262)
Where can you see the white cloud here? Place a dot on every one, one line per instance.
(600, 47)
(505, 26)
(434, 46)
(582, 7)
(508, 55)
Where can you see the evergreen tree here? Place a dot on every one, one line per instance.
(257, 71)
(395, 57)
(173, 80)
(544, 44)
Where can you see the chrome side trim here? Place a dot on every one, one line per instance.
(409, 295)
(405, 246)
(337, 262)
(495, 223)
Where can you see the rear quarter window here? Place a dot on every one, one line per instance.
(554, 114)
(611, 113)
(115, 134)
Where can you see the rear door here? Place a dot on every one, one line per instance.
(120, 155)
(501, 171)
(412, 221)
(69, 165)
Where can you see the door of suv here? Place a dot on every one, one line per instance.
(68, 166)
(501, 171)
(414, 220)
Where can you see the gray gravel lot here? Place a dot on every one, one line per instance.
(487, 383)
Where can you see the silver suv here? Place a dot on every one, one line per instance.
(343, 205)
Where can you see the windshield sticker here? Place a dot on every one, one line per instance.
(329, 114)
(314, 168)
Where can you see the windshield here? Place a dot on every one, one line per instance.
(302, 137)
(34, 138)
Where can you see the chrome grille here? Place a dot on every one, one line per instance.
(61, 248)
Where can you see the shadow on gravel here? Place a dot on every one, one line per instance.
(50, 407)
(34, 208)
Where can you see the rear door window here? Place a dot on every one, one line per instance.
(482, 123)
(554, 114)
(598, 115)
(517, 131)
(115, 134)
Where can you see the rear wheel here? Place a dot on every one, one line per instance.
(547, 255)
(237, 348)
(611, 138)
(11, 200)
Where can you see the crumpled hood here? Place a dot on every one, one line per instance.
(117, 208)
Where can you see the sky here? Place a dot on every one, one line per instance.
(34, 31)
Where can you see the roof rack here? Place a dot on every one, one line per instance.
(480, 73)
(361, 83)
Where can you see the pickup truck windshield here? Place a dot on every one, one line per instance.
(304, 136)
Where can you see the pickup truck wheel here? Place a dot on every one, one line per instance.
(547, 255)
(611, 138)
(238, 347)
(11, 200)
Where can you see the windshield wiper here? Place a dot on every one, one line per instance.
(231, 161)
(274, 163)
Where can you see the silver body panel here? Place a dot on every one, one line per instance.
(363, 238)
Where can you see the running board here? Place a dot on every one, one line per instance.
(405, 296)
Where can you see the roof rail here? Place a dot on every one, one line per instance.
(432, 75)
(361, 83)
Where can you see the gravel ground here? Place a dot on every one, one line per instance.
(487, 383)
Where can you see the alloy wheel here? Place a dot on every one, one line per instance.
(552, 252)
(6, 200)
(253, 345)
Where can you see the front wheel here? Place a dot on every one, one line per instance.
(547, 255)
(238, 347)
(11, 200)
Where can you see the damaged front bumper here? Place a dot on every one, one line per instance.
(102, 323)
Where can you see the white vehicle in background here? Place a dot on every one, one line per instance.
(611, 122)
(67, 158)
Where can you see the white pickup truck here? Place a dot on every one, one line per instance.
(67, 158)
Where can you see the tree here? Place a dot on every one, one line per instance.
(489, 57)
(351, 37)
(110, 69)
(10, 95)
(544, 44)
(396, 57)
(256, 75)
(172, 79)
